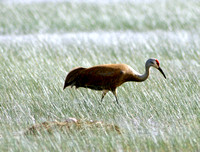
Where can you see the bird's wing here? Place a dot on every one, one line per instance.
(101, 77)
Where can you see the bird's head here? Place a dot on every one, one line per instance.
(155, 63)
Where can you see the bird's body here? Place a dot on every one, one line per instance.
(105, 77)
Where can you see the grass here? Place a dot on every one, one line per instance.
(43, 17)
(155, 115)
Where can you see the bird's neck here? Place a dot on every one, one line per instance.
(143, 77)
(135, 76)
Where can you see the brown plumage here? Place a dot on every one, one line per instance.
(107, 77)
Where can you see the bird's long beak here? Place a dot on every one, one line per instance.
(162, 72)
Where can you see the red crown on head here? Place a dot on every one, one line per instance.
(157, 62)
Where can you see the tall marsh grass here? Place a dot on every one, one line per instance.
(41, 42)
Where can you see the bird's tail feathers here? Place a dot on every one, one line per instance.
(72, 77)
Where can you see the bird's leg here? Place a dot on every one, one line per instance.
(103, 94)
(115, 94)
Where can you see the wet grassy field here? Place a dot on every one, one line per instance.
(41, 42)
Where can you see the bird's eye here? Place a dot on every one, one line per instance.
(152, 62)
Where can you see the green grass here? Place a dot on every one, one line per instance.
(156, 115)
(65, 17)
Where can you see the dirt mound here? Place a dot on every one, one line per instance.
(71, 124)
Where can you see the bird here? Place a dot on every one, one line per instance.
(108, 77)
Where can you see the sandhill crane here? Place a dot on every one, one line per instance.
(108, 77)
